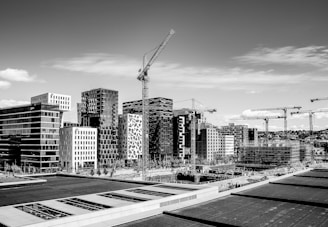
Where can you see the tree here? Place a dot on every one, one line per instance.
(98, 172)
(105, 171)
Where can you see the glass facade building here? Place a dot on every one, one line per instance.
(29, 137)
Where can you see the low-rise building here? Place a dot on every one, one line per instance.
(271, 154)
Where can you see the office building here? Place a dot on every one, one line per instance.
(78, 148)
(271, 154)
(253, 137)
(240, 132)
(130, 136)
(63, 102)
(99, 109)
(182, 132)
(29, 137)
(160, 125)
(208, 144)
(227, 145)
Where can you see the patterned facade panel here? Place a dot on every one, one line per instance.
(130, 136)
(160, 124)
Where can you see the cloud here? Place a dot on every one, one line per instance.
(176, 75)
(321, 115)
(4, 84)
(16, 75)
(258, 114)
(311, 55)
(11, 102)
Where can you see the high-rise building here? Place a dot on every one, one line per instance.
(160, 125)
(29, 136)
(182, 132)
(227, 145)
(240, 132)
(78, 148)
(253, 137)
(130, 136)
(63, 102)
(99, 109)
(208, 143)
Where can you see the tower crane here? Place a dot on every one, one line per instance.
(193, 117)
(144, 78)
(193, 134)
(266, 120)
(311, 113)
(284, 109)
(319, 99)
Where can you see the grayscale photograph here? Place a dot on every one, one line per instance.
(173, 113)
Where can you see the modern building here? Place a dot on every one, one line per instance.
(208, 144)
(160, 125)
(240, 132)
(99, 109)
(182, 132)
(253, 137)
(29, 137)
(271, 154)
(130, 136)
(70, 124)
(227, 145)
(78, 148)
(63, 102)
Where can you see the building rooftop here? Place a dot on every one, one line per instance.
(300, 200)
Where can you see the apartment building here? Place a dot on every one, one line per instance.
(78, 148)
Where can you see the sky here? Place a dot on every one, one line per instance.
(231, 55)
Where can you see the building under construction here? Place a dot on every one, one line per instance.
(278, 153)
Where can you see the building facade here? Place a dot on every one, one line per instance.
(272, 154)
(227, 145)
(63, 102)
(130, 136)
(208, 144)
(160, 125)
(78, 148)
(29, 137)
(240, 132)
(99, 109)
(253, 137)
(182, 132)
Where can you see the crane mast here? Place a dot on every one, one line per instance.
(144, 78)
(311, 114)
(266, 120)
(193, 135)
(284, 109)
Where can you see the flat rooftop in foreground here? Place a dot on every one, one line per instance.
(60, 187)
(300, 200)
(81, 201)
